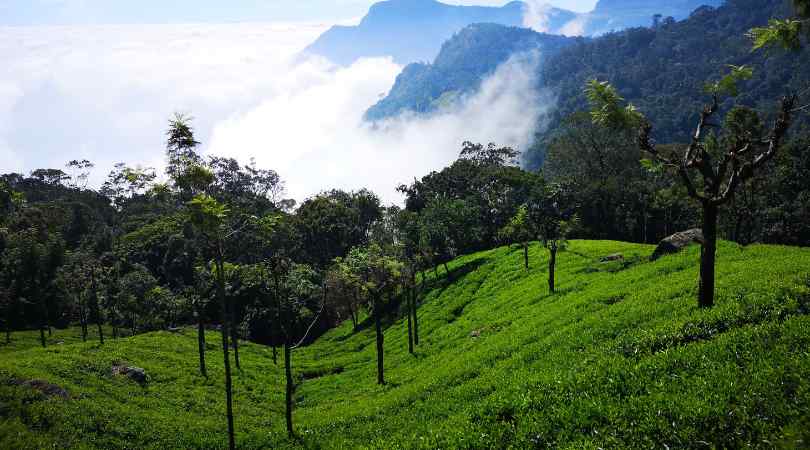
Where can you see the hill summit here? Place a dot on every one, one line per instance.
(414, 30)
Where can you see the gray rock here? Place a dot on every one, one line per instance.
(613, 257)
(43, 387)
(135, 374)
(677, 242)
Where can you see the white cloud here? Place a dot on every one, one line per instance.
(105, 93)
(575, 27)
(314, 135)
(536, 16)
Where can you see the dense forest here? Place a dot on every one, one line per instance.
(464, 61)
(218, 247)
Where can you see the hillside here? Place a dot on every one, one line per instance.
(462, 64)
(620, 357)
(661, 70)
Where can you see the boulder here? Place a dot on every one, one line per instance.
(135, 374)
(613, 257)
(43, 387)
(677, 242)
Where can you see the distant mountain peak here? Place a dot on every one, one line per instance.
(414, 30)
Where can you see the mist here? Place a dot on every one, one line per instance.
(106, 93)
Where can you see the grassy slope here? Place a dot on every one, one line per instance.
(621, 357)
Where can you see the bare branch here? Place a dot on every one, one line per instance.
(746, 171)
(314, 321)
(690, 158)
(648, 146)
(780, 129)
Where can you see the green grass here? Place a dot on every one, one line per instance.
(621, 357)
(58, 337)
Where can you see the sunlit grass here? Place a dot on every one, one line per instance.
(620, 357)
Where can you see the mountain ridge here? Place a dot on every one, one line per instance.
(463, 63)
(414, 30)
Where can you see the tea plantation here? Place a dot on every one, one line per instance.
(620, 357)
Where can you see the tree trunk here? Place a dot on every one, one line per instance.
(355, 313)
(415, 294)
(8, 324)
(235, 344)
(83, 320)
(289, 395)
(277, 323)
(43, 324)
(100, 331)
(552, 264)
(8, 319)
(378, 328)
(446, 270)
(201, 343)
(707, 256)
(226, 358)
(408, 301)
(96, 307)
(526, 256)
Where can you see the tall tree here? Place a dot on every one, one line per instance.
(378, 273)
(209, 216)
(552, 213)
(301, 303)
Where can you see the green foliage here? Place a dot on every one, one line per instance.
(729, 84)
(779, 33)
(520, 229)
(663, 71)
(207, 213)
(611, 361)
(607, 106)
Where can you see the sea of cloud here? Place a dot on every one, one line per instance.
(105, 93)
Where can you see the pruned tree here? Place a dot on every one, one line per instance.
(720, 165)
(719, 159)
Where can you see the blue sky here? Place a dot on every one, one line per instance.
(77, 12)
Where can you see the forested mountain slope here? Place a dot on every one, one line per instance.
(620, 357)
(462, 64)
(663, 71)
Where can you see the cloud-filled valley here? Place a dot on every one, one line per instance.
(105, 94)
